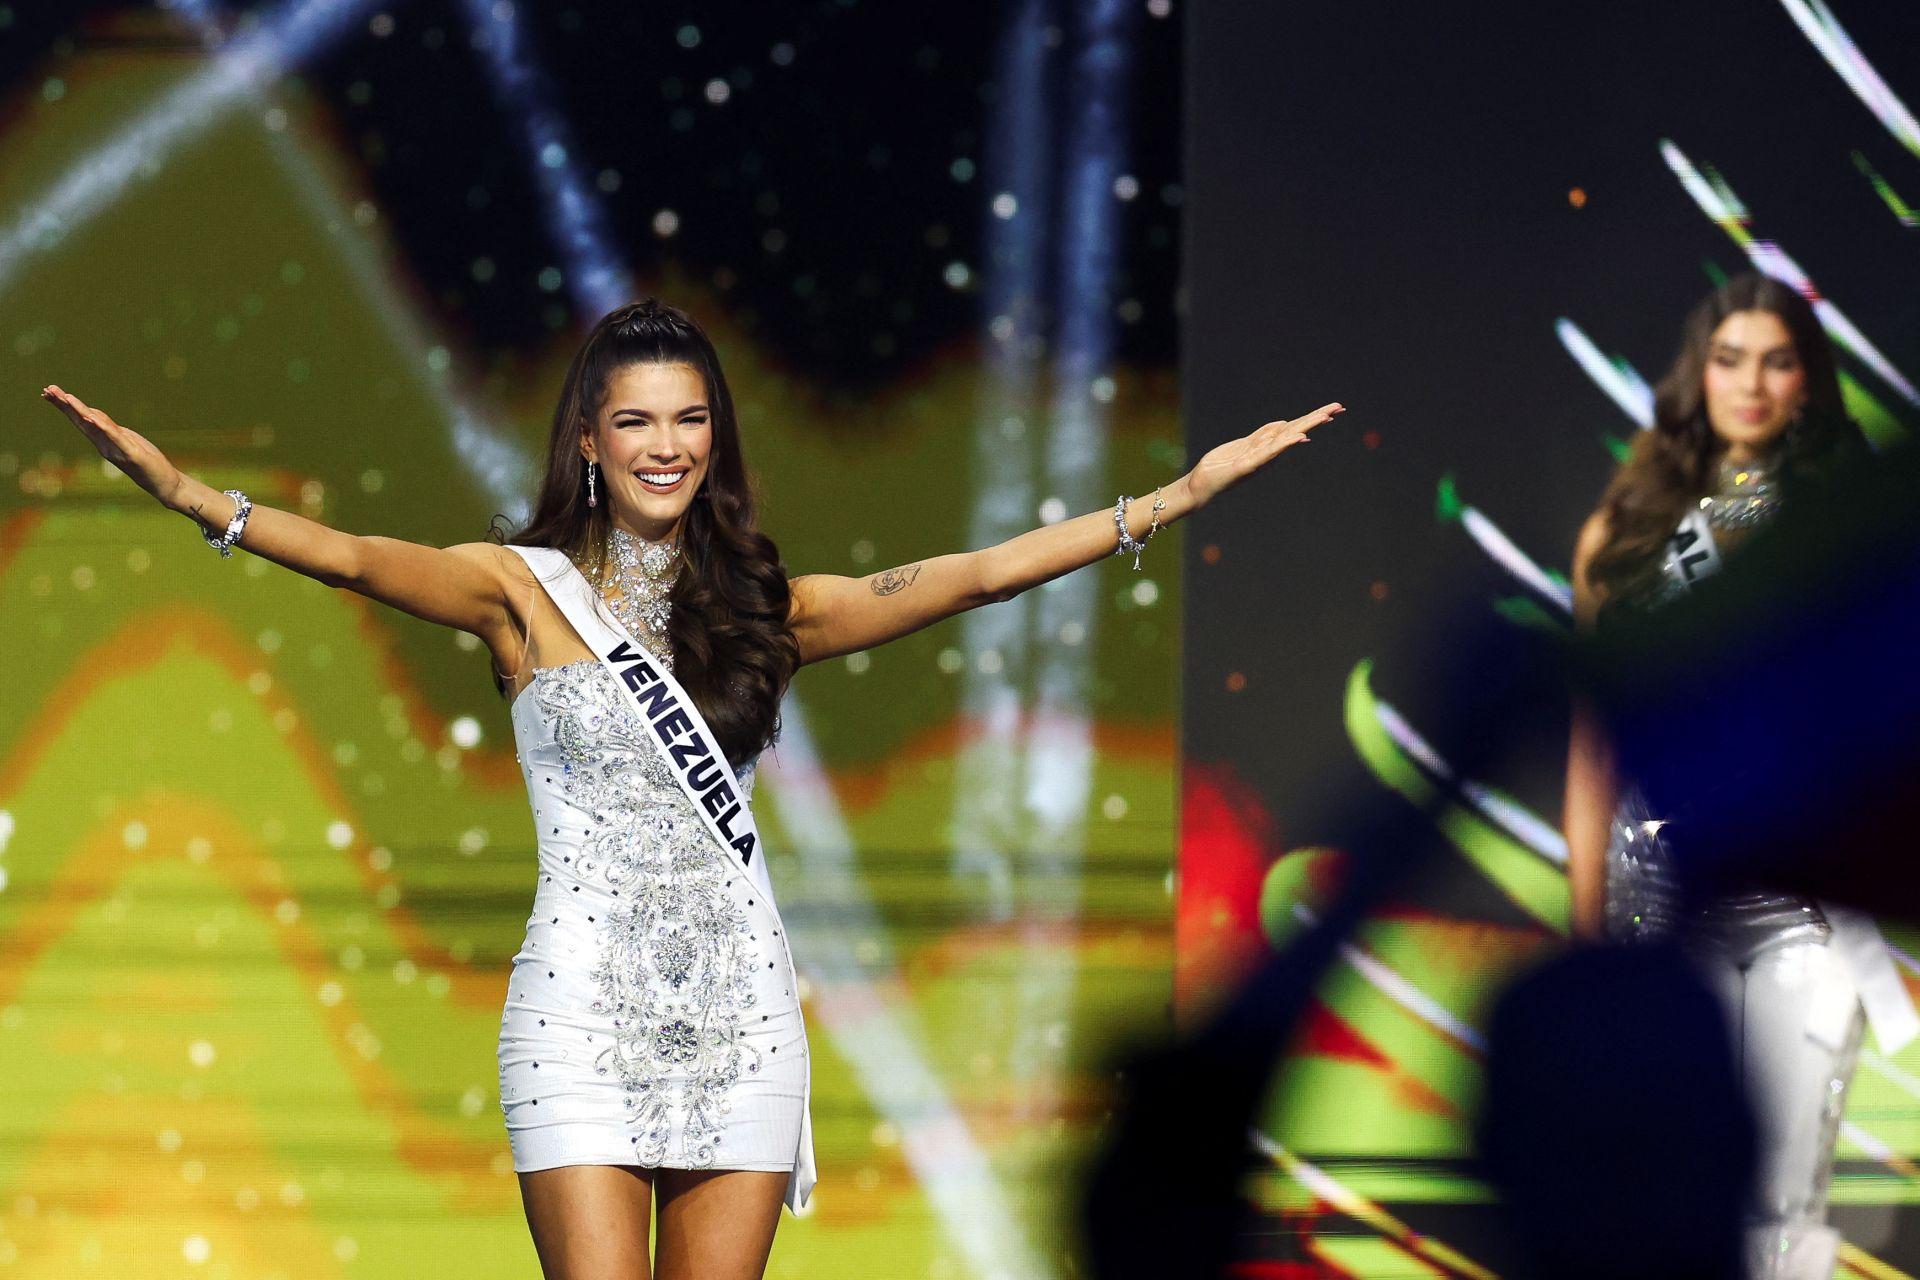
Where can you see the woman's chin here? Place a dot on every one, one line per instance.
(1750, 437)
(658, 509)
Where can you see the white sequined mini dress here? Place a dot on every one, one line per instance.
(652, 1017)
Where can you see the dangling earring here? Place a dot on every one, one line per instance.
(593, 499)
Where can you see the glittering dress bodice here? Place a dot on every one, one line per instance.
(1643, 897)
(677, 945)
(610, 764)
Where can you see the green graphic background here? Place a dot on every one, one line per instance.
(258, 908)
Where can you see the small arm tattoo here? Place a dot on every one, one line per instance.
(885, 584)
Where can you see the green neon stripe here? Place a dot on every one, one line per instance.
(1532, 884)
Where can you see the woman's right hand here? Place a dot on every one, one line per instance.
(124, 447)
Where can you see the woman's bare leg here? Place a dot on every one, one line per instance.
(589, 1221)
(717, 1224)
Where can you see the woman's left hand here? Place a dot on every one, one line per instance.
(1234, 461)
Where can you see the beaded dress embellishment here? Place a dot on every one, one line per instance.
(677, 950)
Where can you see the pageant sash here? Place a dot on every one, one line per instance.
(693, 754)
(1883, 993)
(1692, 555)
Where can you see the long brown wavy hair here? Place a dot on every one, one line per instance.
(732, 648)
(1671, 465)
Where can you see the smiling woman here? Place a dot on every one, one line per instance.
(660, 432)
(1754, 382)
(651, 1044)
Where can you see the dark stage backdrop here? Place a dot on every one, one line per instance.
(1480, 228)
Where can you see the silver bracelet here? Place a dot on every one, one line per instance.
(242, 505)
(1128, 543)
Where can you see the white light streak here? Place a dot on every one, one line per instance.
(987, 813)
(1718, 202)
(1819, 25)
(871, 1021)
(241, 71)
(1502, 810)
(1508, 555)
(596, 275)
(1059, 759)
(1383, 978)
(1617, 378)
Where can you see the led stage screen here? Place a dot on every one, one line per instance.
(265, 852)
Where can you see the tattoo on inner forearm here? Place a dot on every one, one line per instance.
(892, 580)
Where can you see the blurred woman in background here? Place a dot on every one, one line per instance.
(1750, 414)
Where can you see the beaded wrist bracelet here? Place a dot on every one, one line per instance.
(242, 506)
(1128, 543)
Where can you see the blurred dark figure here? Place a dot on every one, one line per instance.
(1614, 1125)
(1789, 684)
(1165, 1198)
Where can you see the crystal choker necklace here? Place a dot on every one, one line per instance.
(1744, 494)
(643, 572)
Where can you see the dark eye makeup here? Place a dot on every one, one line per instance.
(629, 420)
(1783, 358)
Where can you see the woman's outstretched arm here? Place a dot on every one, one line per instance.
(462, 586)
(832, 615)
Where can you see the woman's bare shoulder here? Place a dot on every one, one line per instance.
(1594, 533)
(494, 557)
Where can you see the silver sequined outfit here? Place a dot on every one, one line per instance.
(652, 1016)
(1642, 896)
(1791, 1003)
